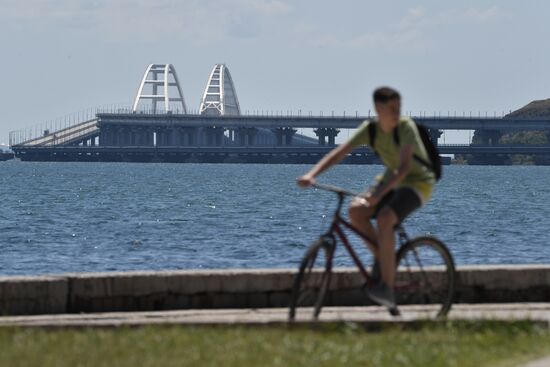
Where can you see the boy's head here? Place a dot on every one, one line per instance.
(387, 103)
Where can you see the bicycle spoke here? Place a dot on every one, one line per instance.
(419, 262)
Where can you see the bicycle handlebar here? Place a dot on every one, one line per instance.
(335, 189)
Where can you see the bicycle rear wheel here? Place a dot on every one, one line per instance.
(312, 281)
(425, 276)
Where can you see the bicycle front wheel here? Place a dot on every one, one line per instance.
(426, 277)
(312, 281)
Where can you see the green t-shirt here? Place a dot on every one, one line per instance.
(420, 178)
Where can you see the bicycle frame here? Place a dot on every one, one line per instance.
(336, 227)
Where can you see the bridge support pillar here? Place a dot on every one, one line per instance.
(231, 136)
(252, 135)
(324, 133)
(214, 136)
(208, 137)
(179, 136)
(192, 135)
(143, 136)
(321, 134)
(130, 136)
(241, 136)
(332, 133)
(120, 136)
(246, 136)
(139, 136)
(113, 136)
(161, 137)
(220, 136)
(171, 136)
(185, 136)
(278, 136)
(133, 134)
(127, 136)
(150, 137)
(104, 135)
(284, 135)
(165, 137)
(107, 136)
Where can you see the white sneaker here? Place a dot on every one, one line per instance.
(382, 294)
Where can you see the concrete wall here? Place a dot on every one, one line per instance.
(33, 295)
(140, 291)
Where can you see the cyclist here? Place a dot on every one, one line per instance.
(404, 187)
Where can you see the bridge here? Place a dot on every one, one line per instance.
(159, 123)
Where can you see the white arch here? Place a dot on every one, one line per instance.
(158, 75)
(220, 97)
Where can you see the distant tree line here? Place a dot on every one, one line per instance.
(525, 137)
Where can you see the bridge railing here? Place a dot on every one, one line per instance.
(253, 113)
(116, 109)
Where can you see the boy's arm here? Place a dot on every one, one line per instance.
(405, 158)
(333, 157)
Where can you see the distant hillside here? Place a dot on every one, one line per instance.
(534, 109)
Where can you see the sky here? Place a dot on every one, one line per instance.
(62, 56)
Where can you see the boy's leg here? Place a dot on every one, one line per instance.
(382, 293)
(404, 201)
(399, 205)
(387, 220)
(360, 216)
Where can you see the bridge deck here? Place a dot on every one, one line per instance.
(342, 122)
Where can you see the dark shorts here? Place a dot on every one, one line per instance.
(403, 201)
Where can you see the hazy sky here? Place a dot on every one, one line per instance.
(64, 56)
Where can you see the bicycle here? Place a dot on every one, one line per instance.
(425, 268)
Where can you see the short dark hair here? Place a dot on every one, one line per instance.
(385, 94)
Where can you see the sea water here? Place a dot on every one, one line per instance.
(90, 217)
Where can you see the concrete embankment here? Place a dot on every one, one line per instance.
(207, 289)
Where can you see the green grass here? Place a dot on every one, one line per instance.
(445, 344)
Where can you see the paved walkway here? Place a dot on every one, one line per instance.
(368, 316)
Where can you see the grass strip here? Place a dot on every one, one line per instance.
(442, 344)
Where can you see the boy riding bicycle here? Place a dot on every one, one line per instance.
(404, 187)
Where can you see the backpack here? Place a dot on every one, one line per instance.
(433, 153)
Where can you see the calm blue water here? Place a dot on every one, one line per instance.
(88, 217)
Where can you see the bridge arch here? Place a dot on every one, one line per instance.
(220, 97)
(160, 85)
